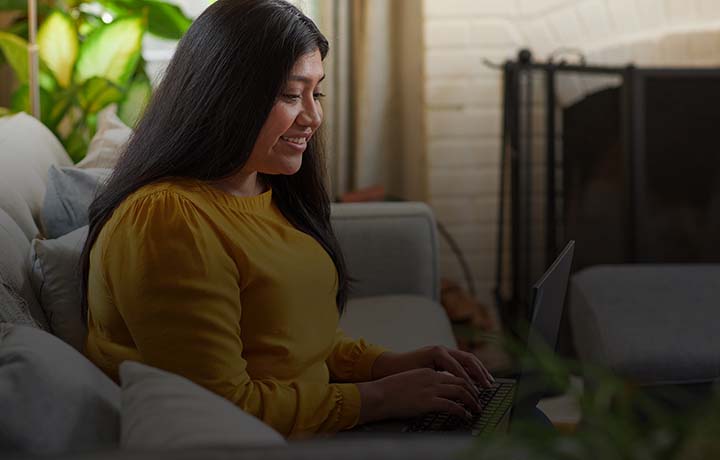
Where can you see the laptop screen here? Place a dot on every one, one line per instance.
(548, 296)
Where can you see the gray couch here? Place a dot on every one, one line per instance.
(652, 324)
(390, 247)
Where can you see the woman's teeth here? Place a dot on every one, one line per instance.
(295, 140)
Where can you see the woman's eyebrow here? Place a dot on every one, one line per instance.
(302, 79)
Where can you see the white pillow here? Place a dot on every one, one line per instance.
(106, 146)
(161, 411)
(52, 399)
(56, 279)
(27, 149)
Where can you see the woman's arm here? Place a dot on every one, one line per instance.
(352, 360)
(177, 291)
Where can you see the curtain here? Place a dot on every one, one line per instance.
(374, 122)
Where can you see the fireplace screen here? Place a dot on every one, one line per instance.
(630, 171)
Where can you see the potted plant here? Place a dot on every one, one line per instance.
(90, 57)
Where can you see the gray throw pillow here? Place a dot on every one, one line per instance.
(161, 411)
(52, 399)
(56, 278)
(69, 194)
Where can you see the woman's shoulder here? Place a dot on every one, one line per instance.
(161, 204)
(170, 190)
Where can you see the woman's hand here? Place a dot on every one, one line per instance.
(416, 392)
(459, 363)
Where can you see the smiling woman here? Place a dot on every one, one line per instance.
(210, 252)
(292, 121)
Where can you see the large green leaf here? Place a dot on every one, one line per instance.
(61, 102)
(88, 22)
(97, 93)
(13, 5)
(111, 51)
(137, 97)
(58, 42)
(15, 50)
(20, 102)
(76, 144)
(166, 20)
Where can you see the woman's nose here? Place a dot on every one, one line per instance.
(311, 115)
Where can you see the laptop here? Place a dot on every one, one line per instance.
(507, 396)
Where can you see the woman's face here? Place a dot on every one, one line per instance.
(294, 118)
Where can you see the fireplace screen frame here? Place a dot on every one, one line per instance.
(517, 256)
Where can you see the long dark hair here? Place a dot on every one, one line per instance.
(205, 116)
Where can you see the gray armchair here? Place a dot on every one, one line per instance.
(391, 248)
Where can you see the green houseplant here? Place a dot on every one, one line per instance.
(90, 57)
(619, 419)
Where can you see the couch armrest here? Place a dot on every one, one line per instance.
(389, 247)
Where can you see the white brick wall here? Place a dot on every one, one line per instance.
(463, 97)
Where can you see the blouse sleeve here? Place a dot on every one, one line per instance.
(178, 291)
(352, 360)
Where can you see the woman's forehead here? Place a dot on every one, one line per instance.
(308, 68)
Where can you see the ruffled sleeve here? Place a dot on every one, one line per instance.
(352, 360)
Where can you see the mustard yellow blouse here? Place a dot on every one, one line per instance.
(225, 291)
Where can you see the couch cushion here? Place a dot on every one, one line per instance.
(52, 399)
(67, 200)
(652, 324)
(391, 248)
(162, 411)
(56, 279)
(27, 149)
(14, 266)
(398, 322)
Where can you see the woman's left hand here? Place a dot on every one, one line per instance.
(459, 363)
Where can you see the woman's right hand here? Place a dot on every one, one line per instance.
(416, 392)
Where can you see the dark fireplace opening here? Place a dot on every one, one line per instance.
(659, 202)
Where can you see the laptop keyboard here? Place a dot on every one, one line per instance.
(494, 403)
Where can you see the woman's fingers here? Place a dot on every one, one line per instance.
(452, 380)
(474, 367)
(451, 407)
(459, 393)
(446, 362)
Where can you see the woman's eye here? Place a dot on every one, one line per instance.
(292, 97)
(318, 96)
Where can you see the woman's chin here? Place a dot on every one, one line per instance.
(289, 168)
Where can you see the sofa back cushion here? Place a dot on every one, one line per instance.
(14, 267)
(52, 399)
(27, 149)
(390, 248)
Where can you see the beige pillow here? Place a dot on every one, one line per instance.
(111, 136)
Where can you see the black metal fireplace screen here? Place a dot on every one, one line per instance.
(631, 172)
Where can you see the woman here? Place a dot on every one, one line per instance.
(210, 252)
